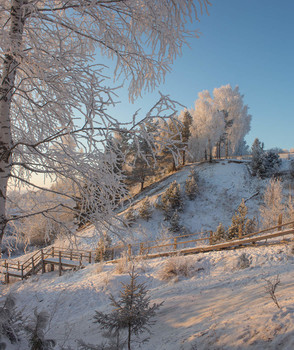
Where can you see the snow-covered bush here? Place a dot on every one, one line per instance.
(243, 261)
(175, 267)
(36, 329)
(122, 265)
(220, 235)
(272, 163)
(10, 322)
(145, 210)
(171, 200)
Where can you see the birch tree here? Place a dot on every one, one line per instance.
(51, 87)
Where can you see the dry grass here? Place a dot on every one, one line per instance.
(175, 267)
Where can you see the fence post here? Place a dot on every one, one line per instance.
(280, 222)
(240, 232)
(33, 266)
(112, 253)
(141, 248)
(59, 263)
(90, 257)
(18, 265)
(21, 272)
(210, 237)
(42, 259)
(70, 258)
(7, 273)
(52, 252)
(175, 243)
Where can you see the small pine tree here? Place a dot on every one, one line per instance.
(132, 312)
(257, 161)
(103, 252)
(191, 188)
(171, 200)
(10, 320)
(219, 235)
(145, 210)
(272, 163)
(36, 331)
(175, 225)
(241, 222)
(130, 217)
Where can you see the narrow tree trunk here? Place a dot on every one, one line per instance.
(7, 81)
(129, 336)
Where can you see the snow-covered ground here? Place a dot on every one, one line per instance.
(220, 305)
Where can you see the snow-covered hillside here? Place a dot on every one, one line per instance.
(219, 305)
(222, 185)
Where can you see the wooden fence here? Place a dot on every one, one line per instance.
(182, 244)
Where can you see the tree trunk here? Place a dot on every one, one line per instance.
(129, 336)
(6, 91)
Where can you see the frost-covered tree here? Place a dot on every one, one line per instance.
(219, 235)
(236, 117)
(273, 204)
(52, 89)
(191, 187)
(207, 127)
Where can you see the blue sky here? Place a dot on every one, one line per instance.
(248, 43)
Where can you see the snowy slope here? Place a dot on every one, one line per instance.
(218, 306)
(222, 185)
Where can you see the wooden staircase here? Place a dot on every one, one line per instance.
(51, 257)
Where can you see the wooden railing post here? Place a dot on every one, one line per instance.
(141, 248)
(52, 252)
(21, 272)
(210, 237)
(90, 257)
(7, 273)
(18, 265)
(175, 243)
(70, 257)
(59, 263)
(280, 222)
(42, 261)
(112, 253)
(33, 266)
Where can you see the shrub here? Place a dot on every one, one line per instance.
(175, 267)
(219, 235)
(243, 261)
(10, 320)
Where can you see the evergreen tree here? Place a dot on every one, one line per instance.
(191, 187)
(145, 210)
(240, 223)
(103, 252)
(171, 200)
(257, 161)
(175, 225)
(185, 133)
(131, 312)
